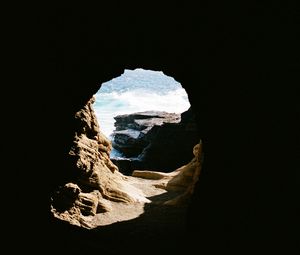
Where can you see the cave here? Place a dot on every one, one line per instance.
(152, 194)
(239, 68)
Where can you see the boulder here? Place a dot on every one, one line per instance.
(154, 140)
(131, 134)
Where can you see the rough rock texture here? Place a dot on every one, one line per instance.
(96, 179)
(71, 204)
(132, 130)
(158, 140)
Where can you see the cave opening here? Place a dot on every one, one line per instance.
(136, 156)
(148, 118)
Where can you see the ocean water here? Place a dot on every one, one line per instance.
(135, 91)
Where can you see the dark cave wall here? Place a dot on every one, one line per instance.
(239, 69)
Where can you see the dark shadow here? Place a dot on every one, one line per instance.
(159, 199)
(159, 228)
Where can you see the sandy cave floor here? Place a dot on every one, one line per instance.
(124, 212)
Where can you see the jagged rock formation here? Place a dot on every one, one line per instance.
(97, 180)
(158, 140)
